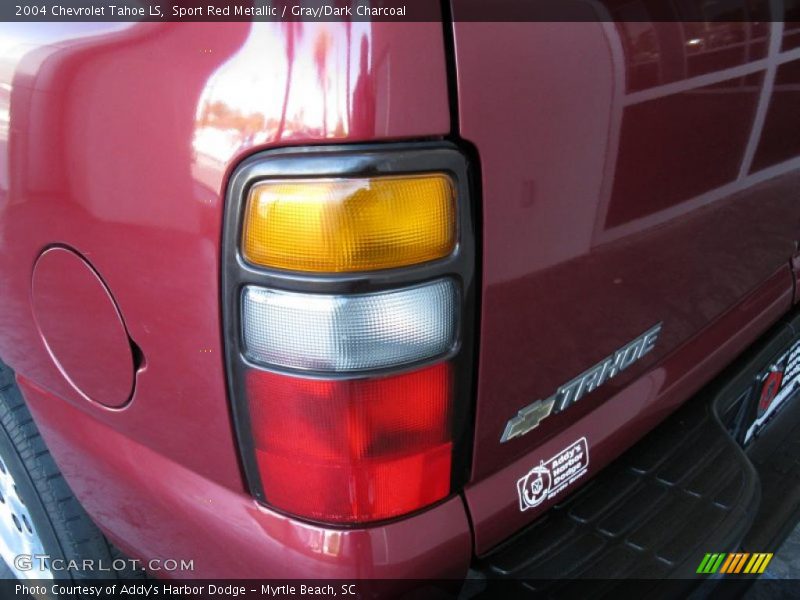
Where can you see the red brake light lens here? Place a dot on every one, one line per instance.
(353, 450)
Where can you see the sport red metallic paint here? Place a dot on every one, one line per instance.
(617, 190)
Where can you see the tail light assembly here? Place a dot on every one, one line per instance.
(348, 288)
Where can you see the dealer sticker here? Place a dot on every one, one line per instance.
(551, 476)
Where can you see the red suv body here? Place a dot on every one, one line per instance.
(621, 176)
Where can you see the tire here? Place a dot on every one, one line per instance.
(44, 509)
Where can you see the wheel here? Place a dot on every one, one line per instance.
(39, 515)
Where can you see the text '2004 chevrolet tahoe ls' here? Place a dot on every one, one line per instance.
(395, 299)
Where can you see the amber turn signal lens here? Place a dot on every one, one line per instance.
(343, 225)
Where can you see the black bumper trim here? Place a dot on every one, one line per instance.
(685, 490)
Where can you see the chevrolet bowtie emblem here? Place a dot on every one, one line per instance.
(529, 417)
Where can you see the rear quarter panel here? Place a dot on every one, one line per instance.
(116, 140)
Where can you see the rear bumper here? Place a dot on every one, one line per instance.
(685, 490)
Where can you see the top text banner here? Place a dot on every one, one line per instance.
(215, 10)
(399, 10)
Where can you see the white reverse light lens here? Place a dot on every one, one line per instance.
(349, 333)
